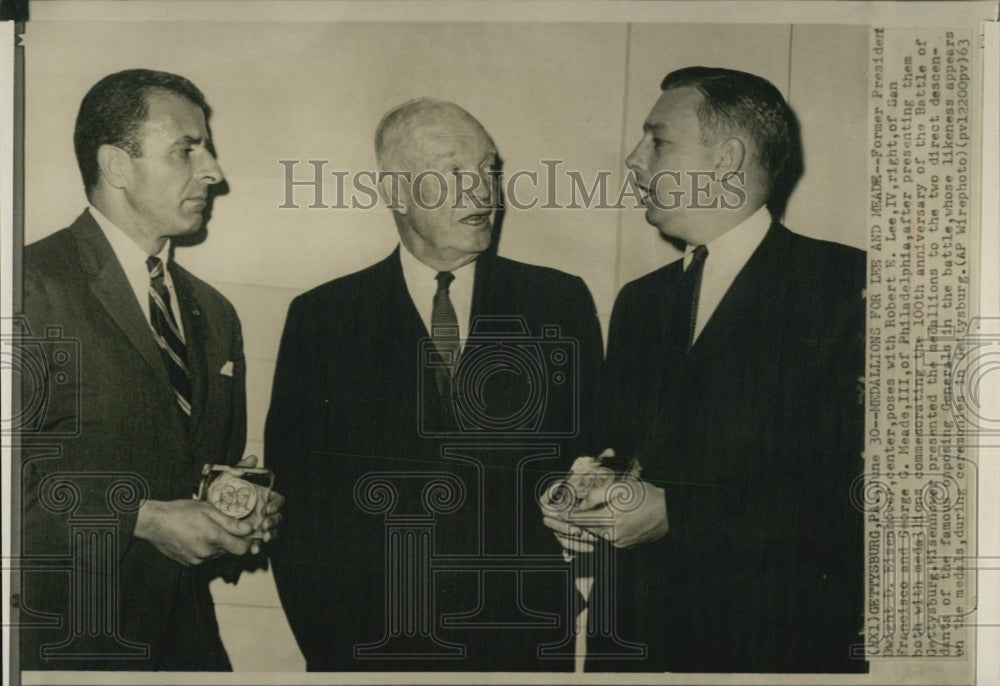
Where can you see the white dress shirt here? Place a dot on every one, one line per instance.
(421, 283)
(132, 258)
(727, 255)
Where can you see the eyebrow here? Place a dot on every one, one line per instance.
(655, 128)
(185, 141)
(451, 153)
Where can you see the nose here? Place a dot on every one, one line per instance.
(634, 159)
(210, 170)
(484, 189)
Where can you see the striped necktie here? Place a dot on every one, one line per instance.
(168, 335)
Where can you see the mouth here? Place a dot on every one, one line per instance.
(476, 221)
(644, 194)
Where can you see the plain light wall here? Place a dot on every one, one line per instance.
(574, 92)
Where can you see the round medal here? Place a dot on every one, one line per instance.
(233, 496)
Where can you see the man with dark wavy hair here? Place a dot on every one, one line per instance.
(109, 470)
(732, 375)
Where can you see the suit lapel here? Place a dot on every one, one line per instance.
(407, 328)
(406, 320)
(111, 288)
(482, 289)
(755, 300)
(672, 329)
(194, 340)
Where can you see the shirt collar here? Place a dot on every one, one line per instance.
(730, 251)
(125, 249)
(421, 284)
(415, 271)
(132, 259)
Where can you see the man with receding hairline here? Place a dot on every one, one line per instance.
(378, 396)
(732, 375)
(433, 141)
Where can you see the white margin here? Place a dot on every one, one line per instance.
(7, 39)
(988, 526)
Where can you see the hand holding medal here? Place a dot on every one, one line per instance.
(244, 492)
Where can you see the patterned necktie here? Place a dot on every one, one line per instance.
(168, 336)
(692, 289)
(444, 333)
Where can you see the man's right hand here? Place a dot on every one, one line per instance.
(641, 517)
(591, 504)
(191, 531)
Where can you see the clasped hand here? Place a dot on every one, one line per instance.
(192, 531)
(625, 512)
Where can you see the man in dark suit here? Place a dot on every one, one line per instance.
(144, 384)
(416, 406)
(733, 375)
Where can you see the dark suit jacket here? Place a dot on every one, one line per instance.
(354, 398)
(756, 437)
(113, 420)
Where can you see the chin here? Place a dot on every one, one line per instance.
(481, 241)
(661, 223)
(669, 232)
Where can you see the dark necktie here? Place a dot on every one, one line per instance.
(444, 333)
(168, 336)
(692, 289)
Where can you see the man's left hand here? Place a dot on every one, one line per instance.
(267, 529)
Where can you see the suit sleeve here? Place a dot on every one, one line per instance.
(52, 447)
(282, 431)
(591, 352)
(618, 426)
(286, 452)
(839, 413)
(238, 412)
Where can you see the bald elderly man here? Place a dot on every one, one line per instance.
(417, 405)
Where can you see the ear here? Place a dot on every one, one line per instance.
(114, 164)
(394, 189)
(730, 156)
